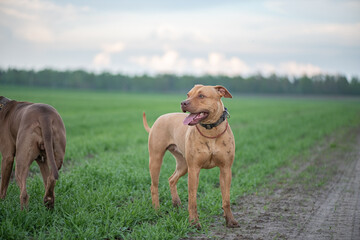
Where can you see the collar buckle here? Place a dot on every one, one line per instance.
(223, 117)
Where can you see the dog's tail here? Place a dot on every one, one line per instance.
(46, 128)
(146, 126)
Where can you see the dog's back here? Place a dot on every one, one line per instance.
(31, 131)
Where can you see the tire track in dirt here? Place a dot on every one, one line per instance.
(338, 212)
(319, 200)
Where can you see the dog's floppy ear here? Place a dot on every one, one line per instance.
(223, 91)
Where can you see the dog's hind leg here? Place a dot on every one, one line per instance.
(6, 169)
(181, 170)
(48, 178)
(25, 155)
(155, 161)
(21, 173)
(49, 183)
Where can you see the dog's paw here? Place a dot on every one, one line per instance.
(49, 202)
(195, 223)
(177, 203)
(232, 224)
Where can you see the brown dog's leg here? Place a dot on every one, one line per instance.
(155, 162)
(59, 150)
(181, 170)
(49, 198)
(49, 183)
(26, 153)
(6, 169)
(225, 182)
(21, 173)
(193, 183)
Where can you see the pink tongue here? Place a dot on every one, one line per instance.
(189, 118)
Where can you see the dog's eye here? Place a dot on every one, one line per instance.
(201, 96)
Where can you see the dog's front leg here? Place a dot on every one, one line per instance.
(193, 182)
(21, 173)
(6, 169)
(225, 183)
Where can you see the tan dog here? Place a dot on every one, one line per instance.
(28, 132)
(194, 147)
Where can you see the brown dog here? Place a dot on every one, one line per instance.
(28, 132)
(194, 147)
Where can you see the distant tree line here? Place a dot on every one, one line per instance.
(255, 84)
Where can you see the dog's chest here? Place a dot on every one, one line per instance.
(214, 153)
(209, 147)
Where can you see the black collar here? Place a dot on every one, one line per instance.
(224, 116)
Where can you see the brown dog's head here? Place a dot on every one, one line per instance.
(3, 101)
(204, 104)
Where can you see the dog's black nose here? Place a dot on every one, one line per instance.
(184, 104)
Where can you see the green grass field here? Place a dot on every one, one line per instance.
(104, 187)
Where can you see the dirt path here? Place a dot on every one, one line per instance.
(318, 200)
(337, 214)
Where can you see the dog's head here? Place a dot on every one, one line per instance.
(3, 101)
(204, 104)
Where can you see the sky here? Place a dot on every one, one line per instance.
(183, 37)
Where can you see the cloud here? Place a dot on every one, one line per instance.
(218, 64)
(35, 21)
(169, 62)
(176, 33)
(166, 32)
(103, 58)
(113, 48)
(290, 68)
(25, 25)
(236, 36)
(298, 69)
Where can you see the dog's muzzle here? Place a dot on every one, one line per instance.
(184, 105)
